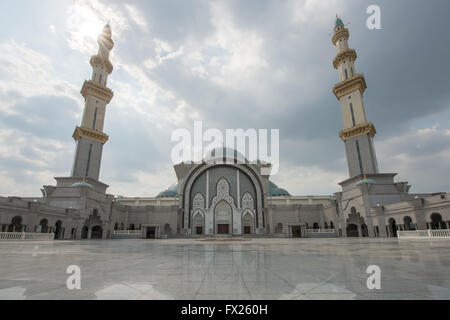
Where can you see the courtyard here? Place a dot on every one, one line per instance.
(188, 269)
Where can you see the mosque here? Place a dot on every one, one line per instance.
(227, 198)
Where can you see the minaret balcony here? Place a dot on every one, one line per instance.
(359, 130)
(340, 33)
(357, 82)
(99, 61)
(348, 54)
(82, 132)
(96, 90)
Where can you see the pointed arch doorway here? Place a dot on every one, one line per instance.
(223, 218)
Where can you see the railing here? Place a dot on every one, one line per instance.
(22, 236)
(320, 230)
(127, 232)
(424, 234)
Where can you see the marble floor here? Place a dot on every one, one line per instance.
(286, 269)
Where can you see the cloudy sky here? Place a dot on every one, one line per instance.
(232, 64)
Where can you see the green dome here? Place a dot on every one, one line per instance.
(167, 194)
(277, 192)
(174, 188)
(339, 22)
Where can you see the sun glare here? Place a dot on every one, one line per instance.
(84, 26)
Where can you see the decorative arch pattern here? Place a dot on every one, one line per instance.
(254, 177)
(198, 202)
(223, 193)
(247, 201)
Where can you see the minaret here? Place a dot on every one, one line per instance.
(358, 133)
(90, 137)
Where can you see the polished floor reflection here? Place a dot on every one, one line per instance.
(287, 269)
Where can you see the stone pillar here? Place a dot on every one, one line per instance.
(381, 221)
(78, 232)
(105, 231)
(419, 212)
(237, 222)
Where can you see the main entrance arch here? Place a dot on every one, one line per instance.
(97, 232)
(223, 214)
(206, 185)
(247, 223)
(352, 231)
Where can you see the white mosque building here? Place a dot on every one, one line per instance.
(227, 198)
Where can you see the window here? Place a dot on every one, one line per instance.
(353, 114)
(95, 118)
(100, 80)
(359, 157)
(89, 160)
(346, 74)
(351, 69)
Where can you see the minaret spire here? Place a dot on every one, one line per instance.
(90, 137)
(358, 133)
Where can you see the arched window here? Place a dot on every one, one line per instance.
(167, 229)
(44, 225)
(279, 228)
(393, 227)
(16, 225)
(58, 230)
(346, 74)
(97, 232)
(436, 222)
(407, 221)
